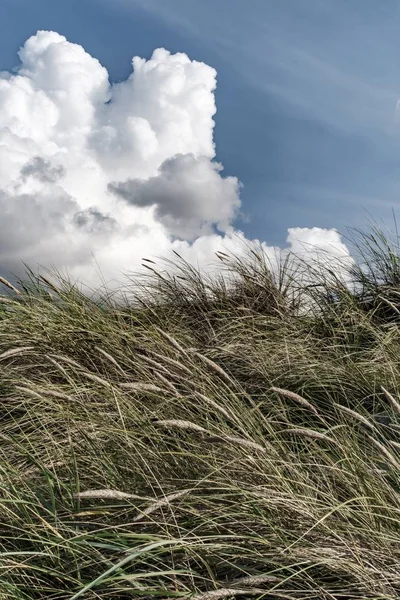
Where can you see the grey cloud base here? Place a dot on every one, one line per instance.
(189, 195)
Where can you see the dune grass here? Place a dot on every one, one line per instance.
(207, 439)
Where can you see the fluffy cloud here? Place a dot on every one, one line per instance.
(188, 193)
(319, 248)
(41, 169)
(96, 175)
(323, 246)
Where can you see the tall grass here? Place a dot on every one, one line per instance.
(209, 438)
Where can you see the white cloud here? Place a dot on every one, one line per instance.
(97, 176)
(321, 249)
(325, 244)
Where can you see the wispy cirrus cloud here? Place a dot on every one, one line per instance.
(305, 54)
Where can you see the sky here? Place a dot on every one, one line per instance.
(240, 120)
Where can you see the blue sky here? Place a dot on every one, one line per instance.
(306, 97)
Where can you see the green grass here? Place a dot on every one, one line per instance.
(207, 438)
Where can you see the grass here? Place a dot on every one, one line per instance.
(207, 438)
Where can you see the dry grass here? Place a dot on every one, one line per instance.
(206, 440)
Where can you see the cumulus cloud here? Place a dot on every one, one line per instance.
(188, 193)
(42, 169)
(323, 245)
(319, 248)
(99, 175)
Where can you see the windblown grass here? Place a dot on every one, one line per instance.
(207, 439)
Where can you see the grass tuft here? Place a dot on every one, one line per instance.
(208, 438)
